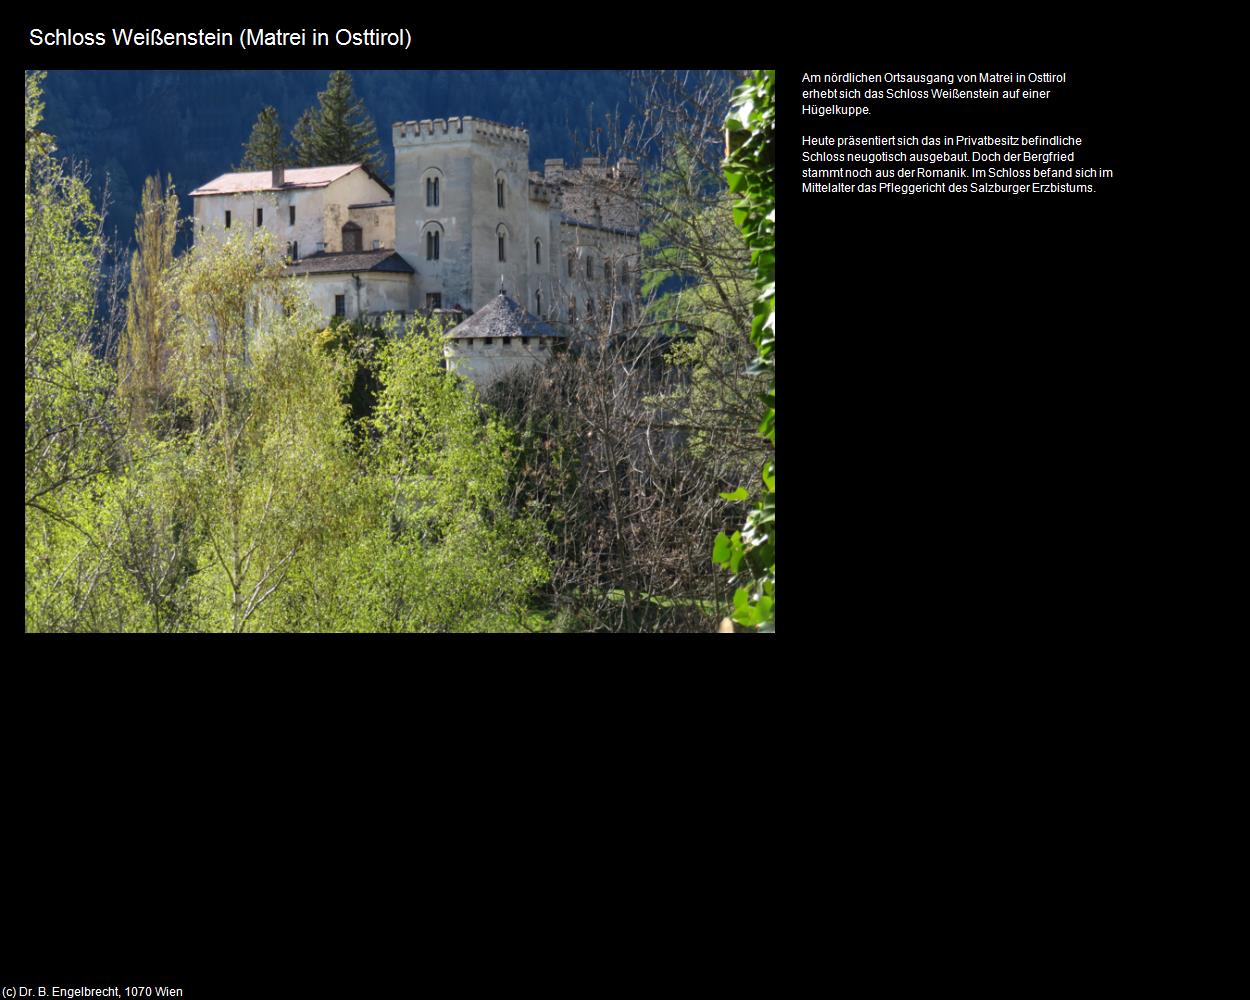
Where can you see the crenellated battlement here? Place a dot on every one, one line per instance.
(427, 130)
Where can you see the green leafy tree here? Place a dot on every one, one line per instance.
(340, 130)
(750, 171)
(143, 354)
(267, 452)
(266, 147)
(462, 561)
(71, 426)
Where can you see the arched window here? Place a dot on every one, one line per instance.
(353, 240)
(570, 265)
(499, 193)
(590, 267)
(607, 272)
(503, 243)
(538, 251)
(538, 303)
(431, 244)
(590, 309)
(431, 191)
(572, 309)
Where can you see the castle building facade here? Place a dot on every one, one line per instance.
(466, 220)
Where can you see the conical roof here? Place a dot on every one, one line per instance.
(503, 317)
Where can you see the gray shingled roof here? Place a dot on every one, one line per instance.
(503, 317)
(337, 263)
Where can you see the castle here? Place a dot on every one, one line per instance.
(467, 228)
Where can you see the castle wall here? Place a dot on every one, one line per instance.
(320, 213)
(576, 215)
(468, 157)
(376, 224)
(543, 224)
(210, 215)
(611, 289)
(486, 363)
(377, 292)
(351, 189)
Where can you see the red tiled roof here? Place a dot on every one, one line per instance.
(262, 180)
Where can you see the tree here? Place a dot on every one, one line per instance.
(303, 141)
(339, 130)
(144, 351)
(629, 508)
(750, 171)
(266, 454)
(71, 429)
(460, 560)
(266, 147)
(629, 440)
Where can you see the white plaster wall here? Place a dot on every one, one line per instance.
(378, 292)
(210, 214)
(319, 212)
(375, 224)
(354, 188)
(485, 363)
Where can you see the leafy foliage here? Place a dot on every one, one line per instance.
(750, 171)
(144, 351)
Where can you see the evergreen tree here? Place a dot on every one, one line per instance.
(340, 130)
(265, 147)
(302, 143)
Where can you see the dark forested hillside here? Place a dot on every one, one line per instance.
(130, 124)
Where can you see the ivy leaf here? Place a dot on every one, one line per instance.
(720, 552)
(739, 494)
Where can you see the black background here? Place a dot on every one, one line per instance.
(960, 366)
(964, 403)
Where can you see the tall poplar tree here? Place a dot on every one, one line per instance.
(144, 351)
(265, 148)
(339, 130)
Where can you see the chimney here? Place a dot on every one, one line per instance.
(553, 169)
(279, 176)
